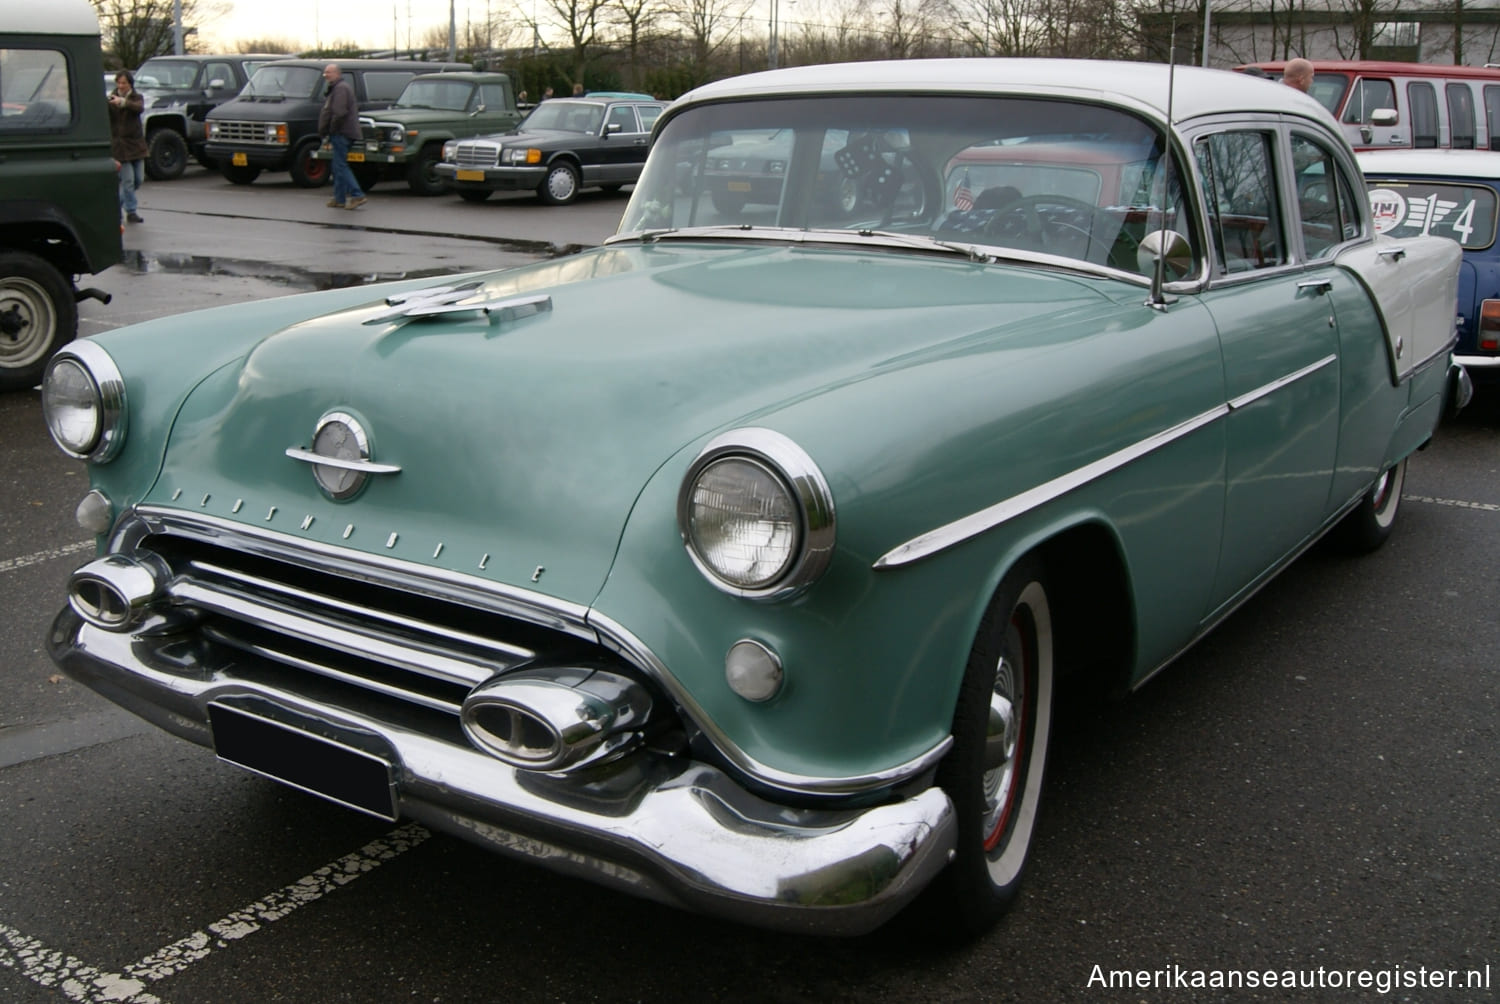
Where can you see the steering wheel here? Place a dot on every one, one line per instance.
(1022, 218)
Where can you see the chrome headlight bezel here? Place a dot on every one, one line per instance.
(95, 364)
(807, 490)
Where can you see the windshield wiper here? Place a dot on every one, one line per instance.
(970, 251)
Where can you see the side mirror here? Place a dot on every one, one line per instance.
(1383, 117)
(611, 128)
(1168, 246)
(216, 84)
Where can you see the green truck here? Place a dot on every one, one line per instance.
(405, 141)
(59, 195)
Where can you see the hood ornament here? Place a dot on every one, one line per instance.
(436, 301)
(340, 456)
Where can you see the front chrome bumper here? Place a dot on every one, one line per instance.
(652, 824)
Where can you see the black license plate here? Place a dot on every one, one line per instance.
(319, 766)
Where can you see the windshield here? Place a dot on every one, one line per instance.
(564, 116)
(448, 95)
(1062, 178)
(166, 75)
(284, 82)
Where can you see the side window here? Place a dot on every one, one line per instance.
(1239, 180)
(385, 85)
(1492, 115)
(34, 93)
(1424, 115)
(1461, 116)
(649, 114)
(1327, 212)
(623, 117)
(492, 96)
(1367, 96)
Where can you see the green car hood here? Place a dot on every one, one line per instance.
(523, 444)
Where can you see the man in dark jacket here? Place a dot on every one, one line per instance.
(339, 122)
(127, 140)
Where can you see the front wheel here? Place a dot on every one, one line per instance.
(993, 773)
(560, 187)
(307, 170)
(166, 155)
(38, 315)
(421, 172)
(1372, 521)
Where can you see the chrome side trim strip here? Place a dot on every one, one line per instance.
(1255, 395)
(1477, 362)
(962, 529)
(367, 466)
(615, 636)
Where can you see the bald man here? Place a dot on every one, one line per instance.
(1298, 74)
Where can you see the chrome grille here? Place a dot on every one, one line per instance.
(371, 638)
(477, 155)
(243, 132)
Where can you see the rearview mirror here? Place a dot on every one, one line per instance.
(1169, 246)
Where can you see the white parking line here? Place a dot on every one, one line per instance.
(1456, 503)
(90, 985)
(11, 564)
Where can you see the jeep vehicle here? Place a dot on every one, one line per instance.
(405, 142)
(273, 124)
(180, 91)
(59, 195)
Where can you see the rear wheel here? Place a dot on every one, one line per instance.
(1372, 521)
(994, 771)
(560, 187)
(166, 155)
(307, 170)
(239, 175)
(38, 315)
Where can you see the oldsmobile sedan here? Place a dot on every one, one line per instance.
(563, 146)
(1453, 194)
(739, 562)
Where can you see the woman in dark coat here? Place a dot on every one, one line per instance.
(128, 140)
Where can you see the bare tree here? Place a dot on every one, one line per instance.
(136, 30)
(582, 21)
(273, 46)
(707, 25)
(636, 22)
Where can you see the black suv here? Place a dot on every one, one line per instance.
(59, 197)
(273, 124)
(180, 91)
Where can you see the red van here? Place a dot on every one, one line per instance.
(1383, 105)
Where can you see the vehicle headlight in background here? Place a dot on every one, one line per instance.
(756, 515)
(520, 155)
(83, 402)
(449, 149)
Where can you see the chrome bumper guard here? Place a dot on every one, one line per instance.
(652, 824)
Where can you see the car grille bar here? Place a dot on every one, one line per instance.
(477, 155)
(243, 132)
(382, 636)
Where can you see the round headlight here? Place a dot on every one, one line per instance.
(756, 515)
(742, 522)
(83, 402)
(70, 401)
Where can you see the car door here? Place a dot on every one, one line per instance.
(625, 144)
(495, 111)
(1279, 337)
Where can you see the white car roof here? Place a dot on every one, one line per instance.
(1431, 163)
(55, 17)
(1143, 86)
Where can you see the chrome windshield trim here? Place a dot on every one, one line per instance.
(983, 254)
(1237, 403)
(615, 636)
(487, 594)
(962, 529)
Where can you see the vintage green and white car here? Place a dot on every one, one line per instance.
(737, 562)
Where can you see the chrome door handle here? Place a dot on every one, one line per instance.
(1315, 286)
(1395, 254)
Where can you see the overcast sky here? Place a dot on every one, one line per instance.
(368, 23)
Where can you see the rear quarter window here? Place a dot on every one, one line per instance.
(386, 85)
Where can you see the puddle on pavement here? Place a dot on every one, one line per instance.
(294, 277)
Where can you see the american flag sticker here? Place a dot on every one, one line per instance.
(963, 197)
